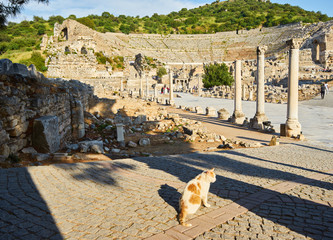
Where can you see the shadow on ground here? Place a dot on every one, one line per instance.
(23, 212)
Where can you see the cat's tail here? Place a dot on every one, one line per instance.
(181, 218)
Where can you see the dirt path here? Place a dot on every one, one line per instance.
(231, 131)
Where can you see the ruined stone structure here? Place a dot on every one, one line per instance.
(29, 101)
(72, 52)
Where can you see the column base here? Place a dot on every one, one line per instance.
(257, 121)
(237, 117)
(171, 102)
(293, 128)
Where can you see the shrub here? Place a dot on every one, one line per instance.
(37, 60)
(216, 75)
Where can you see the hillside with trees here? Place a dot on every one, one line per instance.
(19, 40)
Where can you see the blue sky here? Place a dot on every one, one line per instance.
(142, 8)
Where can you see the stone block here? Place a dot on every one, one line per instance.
(120, 132)
(144, 142)
(45, 136)
(4, 150)
(5, 65)
(4, 137)
(211, 112)
(283, 130)
(94, 146)
(223, 114)
(140, 119)
(20, 69)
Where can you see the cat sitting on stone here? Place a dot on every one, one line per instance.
(195, 191)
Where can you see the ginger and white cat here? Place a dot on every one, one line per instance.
(195, 191)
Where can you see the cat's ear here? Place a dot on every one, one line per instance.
(212, 169)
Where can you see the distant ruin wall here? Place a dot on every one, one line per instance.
(26, 95)
(72, 49)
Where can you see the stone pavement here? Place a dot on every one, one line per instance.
(283, 192)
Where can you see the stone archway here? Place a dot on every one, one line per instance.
(67, 50)
(64, 33)
(316, 51)
(84, 50)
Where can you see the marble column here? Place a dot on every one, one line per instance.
(293, 127)
(260, 116)
(141, 84)
(238, 115)
(155, 91)
(121, 85)
(171, 100)
(199, 84)
(147, 87)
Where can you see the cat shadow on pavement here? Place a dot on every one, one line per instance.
(170, 195)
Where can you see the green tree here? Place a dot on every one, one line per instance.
(12, 8)
(216, 75)
(53, 19)
(87, 21)
(161, 71)
(72, 16)
(106, 15)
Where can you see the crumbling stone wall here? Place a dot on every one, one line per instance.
(26, 95)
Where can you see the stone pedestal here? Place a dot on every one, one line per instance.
(293, 127)
(238, 115)
(260, 116)
(120, 133)
(211, 112)
(199, 110)
(223, 114)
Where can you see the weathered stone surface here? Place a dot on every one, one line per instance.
(45, 137)
(211, 112)
(140, 119)
(30, 150)
(4, 137)
(223, 114)
(47, 97)
(41, 156)
(4, 150)
(132, 144)
(77, 119)
(94, 146)
(144, 142)
(73, 147)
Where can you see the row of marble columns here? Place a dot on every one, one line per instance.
(292, 126)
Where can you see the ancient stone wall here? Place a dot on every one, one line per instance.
(26, 95)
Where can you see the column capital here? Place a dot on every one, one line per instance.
(294, 43)
(261, 49)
